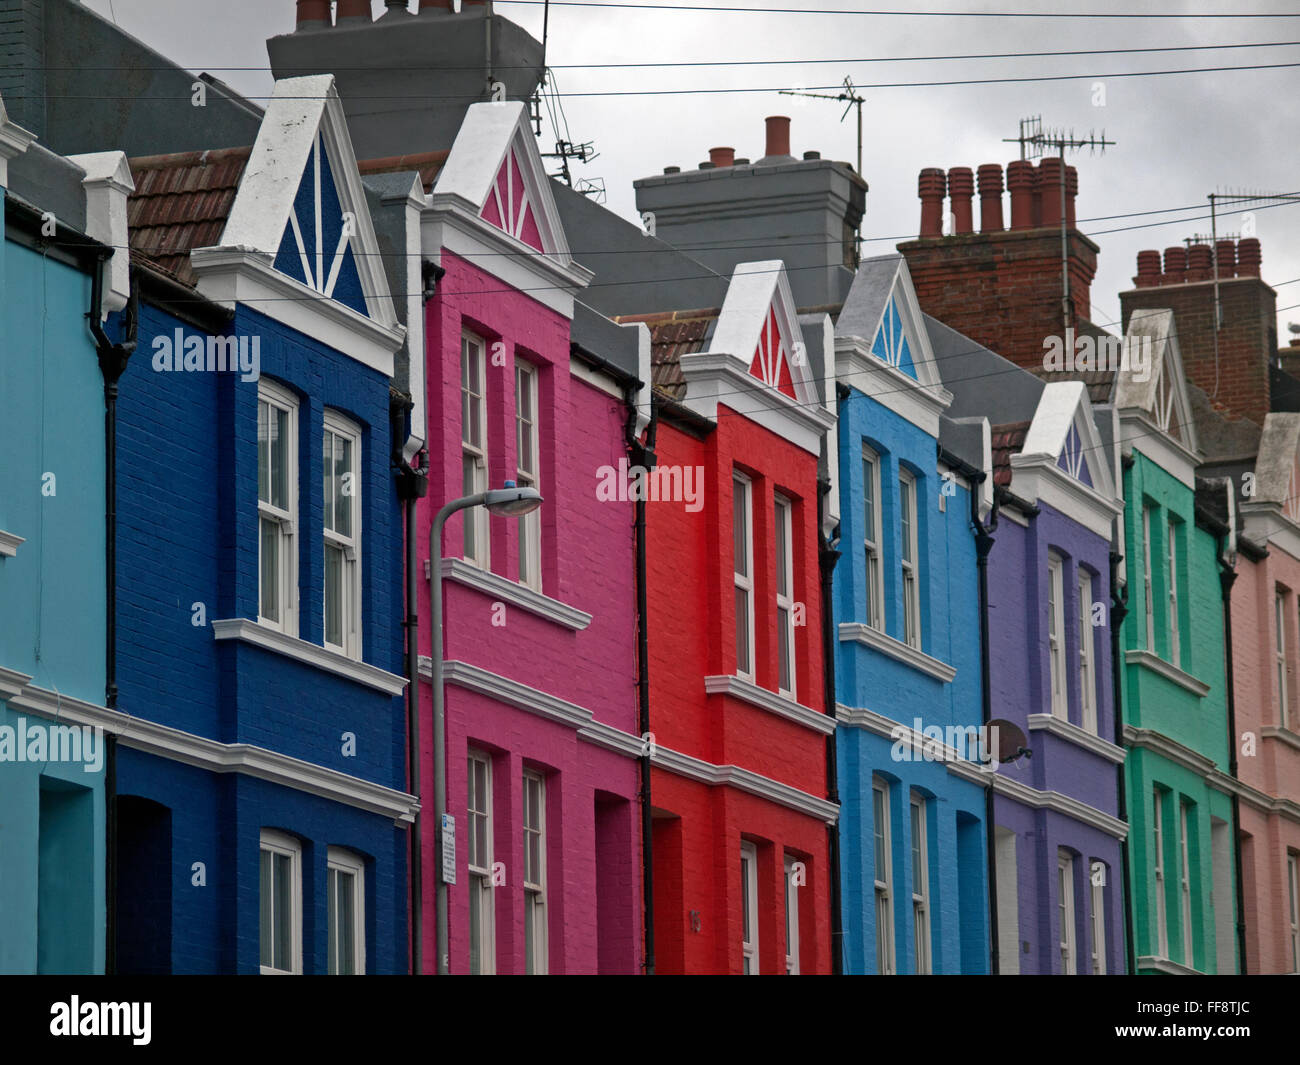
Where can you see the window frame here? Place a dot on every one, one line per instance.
(1065, 908)
(1059, 693)
(1158, 868)
(1185, 886)
(783, 530)
(530, 525)
(744, 582)
(1281, 656)
(278, 397)
(1293, 884)
(274, 842)
(1087, 655)
(535, 889)
(476, 525)
(1175, 646)
(886, 950)
(875, 587)
(1147, 578)
(791, 919)
(1097, 927)
(749, 956)
(922, 933)
(343, 861)
(910, 568)
(479, 875)
(337, 425)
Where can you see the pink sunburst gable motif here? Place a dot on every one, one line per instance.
(508, 206)
(771, 358)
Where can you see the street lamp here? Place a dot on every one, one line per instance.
(510, 501)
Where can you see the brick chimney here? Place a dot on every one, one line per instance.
(1247, 336)
(1002, 285)
(407, 79)
(805, 212)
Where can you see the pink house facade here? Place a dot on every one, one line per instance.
(1266, 652)
(540, 623)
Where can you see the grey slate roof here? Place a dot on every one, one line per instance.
(867, 296)
(983, 384)
(51, 183)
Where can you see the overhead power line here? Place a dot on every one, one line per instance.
(907, 13)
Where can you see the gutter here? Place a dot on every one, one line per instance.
(827, 556)
(643, 455)
(1118, 612)
(112, 364)
(983, 546)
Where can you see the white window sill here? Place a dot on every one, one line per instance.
(520, 595)
(782, 705)
(1165, 965)
(1081, 737)
(9, 544)
(1284, 734)
(856, 631)
(309, 653)
(1167, 670)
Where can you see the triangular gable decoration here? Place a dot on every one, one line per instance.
(1072, 459)
(316, 247)
(771, 363)
(891, 344)
(1164, 408)
(508, 205)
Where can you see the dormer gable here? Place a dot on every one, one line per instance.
(1150, 385)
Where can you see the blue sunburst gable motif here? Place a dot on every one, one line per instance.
(891, 344)
(317, 245)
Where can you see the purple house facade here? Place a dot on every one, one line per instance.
(1058, 826)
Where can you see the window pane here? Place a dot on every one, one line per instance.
(530, 931)
(905, 510)
(327, 477)
(745, 874)
(740, 528)
(279, 457)
(268, 958)
(283, 911)
(332, 905)
(783, 638)
(469, 470)
(347, 894)
(269, 576)
(878, 814)
(869, 499)
(742, 630)
(918, 880)
(345, 485)
(333, 595)
(263, 453)
(782, 551)
(475, 927)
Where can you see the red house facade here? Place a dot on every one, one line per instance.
(739, 728)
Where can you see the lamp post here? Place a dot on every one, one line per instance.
(512, 502)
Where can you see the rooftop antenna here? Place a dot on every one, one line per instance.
(1033, 142)
(849, 95)
(565, 147)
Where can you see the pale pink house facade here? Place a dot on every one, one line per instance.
(1266, 652)
(540, 621)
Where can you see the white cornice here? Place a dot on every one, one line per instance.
(525, 598)
(745, 780)
(1037, 478)
(1165, 965)
(1178, 753)
(597, 379)
(231, 275)
(926, 748)
(1283, 735)
(310, 654)
(452, 224)
(758, 696)
(1061, 804)
(9, 543)
(1268, 522)
(1137, 430)
(856, 632)
(1078, 736)
(856, 367)
(14, 140)
(1168, 670)
(713, 377)
(203, 753)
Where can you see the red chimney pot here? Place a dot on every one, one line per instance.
(313, 14)
(961, 185)
(1071, 191)
(1049, 192)
(1175, 265)
(1226, 253)
(990, 184)
(1249, 257)
(1020, 182)
(778, 135)
(722, 156)
(930, 186)
(1148, 275)
(1200, 263)
(354, 9)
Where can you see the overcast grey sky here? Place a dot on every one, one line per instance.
(1179, 136)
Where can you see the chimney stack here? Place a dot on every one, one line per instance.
(990, 183)
(722, 156)
(961, 185)
(313, 14)
(778, 135)
(354, 11)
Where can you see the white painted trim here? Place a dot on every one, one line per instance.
(14, 140)
(1283, 735)
(241, 275)
(414, 206)
(1078, 736)
(1267, 522)
(347, 861)
(274, 841)
(918, 742)
(589, 375)
(1171, 749)
(1138, 432)
(890, 387)
(745, 780)
(310, 654)
(1143, 657)
(1059, 803)
(855, 631)
(495, 586)
(9, 543)
(1038, 479)
(108, 184)
(1165, 965)
(783, 706)
(176, 745)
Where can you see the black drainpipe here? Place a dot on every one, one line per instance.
(1227, 576)
(643, 455)
(112, 364)
(827, 556)
(1118, 612)
(984, 545)
(412, 485)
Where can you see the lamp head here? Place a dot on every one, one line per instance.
(511, 501)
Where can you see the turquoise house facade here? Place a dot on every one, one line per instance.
(913, 863)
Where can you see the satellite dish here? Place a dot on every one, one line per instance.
(1010, 740)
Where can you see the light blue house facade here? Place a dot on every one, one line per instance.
(912, 822)
(53, 749)
(261, 788)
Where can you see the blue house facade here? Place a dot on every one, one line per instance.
(52, 566)
(912, 794)
(262, 812)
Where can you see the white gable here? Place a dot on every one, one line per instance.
(1151, 379)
